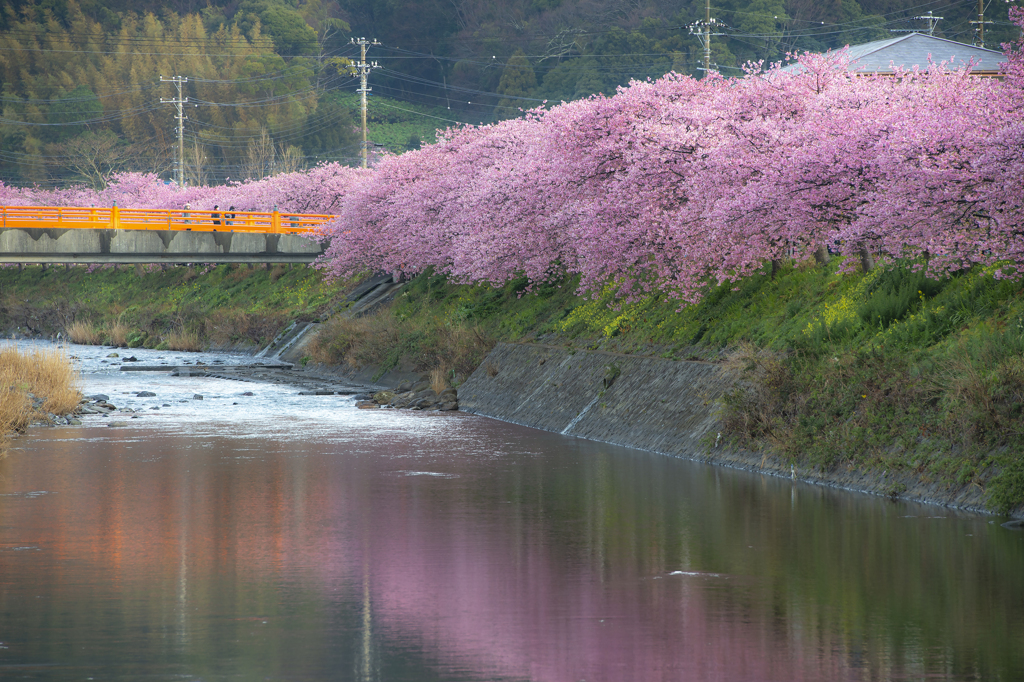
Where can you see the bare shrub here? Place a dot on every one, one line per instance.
(81, 331)
(757, 407)
(259, 157)
(463, 346)
(360, 341)
(226, 327)
(383, 340)
(238, 272)
(327, 347)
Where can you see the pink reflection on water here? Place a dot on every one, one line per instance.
(502, 595)
(450, 569)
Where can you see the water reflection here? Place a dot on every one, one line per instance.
(300, 538)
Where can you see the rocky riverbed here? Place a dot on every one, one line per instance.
(411, 396)
(43, 418)
(146, 383)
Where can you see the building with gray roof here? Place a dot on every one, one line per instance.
(916, 49)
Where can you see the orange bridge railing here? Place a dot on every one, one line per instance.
(116, 218)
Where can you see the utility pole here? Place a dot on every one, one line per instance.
(980, 23)
(707, 36)
(932, 21)
(702, 29)
(179, 103)
(364, 70)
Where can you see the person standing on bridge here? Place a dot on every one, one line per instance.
(215, 215)
(184, 216)
(229, 217)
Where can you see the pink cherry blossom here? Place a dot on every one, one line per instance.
(672, 184)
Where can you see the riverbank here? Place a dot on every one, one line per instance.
(884, 381)
(664, 406)
(905, 383)
(190, 308)
(35, 385)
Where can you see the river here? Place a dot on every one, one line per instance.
(284, 537)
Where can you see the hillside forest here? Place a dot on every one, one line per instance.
(272, 83)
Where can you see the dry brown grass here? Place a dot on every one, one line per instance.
(982, 388)
(47, 374)
(439, 378)
(356, 342)
(225, 327)
(15, 414)
(383, 340)
(184, 340)
(81, 331)
(117, 334)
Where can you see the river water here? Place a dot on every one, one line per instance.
(286, 537)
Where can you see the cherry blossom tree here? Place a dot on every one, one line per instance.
(673, 184)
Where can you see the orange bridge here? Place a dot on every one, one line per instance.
(70, 234)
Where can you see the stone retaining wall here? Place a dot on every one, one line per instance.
(651, 403)
(654, 404)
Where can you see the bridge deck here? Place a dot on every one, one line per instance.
(77, 217)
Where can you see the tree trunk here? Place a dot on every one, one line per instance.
(821, 254)
(867, 261)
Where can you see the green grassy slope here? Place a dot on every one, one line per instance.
(146, 306)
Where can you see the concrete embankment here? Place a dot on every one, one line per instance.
(56, 245)
(653, 404)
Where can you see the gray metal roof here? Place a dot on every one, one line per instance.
(914, 49)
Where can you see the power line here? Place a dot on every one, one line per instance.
(244, 46)
(439, 118)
